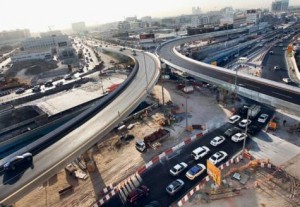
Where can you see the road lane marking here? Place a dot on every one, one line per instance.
(251, 86)
(282, 95)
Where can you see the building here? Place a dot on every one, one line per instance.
(46, 42)
(78, 27)
(45, 47)
(51, 33)
(13, 36)
(280, 5)
(252, 16)
(195, 21)
(239, 21)
(196, 10)
(33, 55)
(124, 26)
(131, 19)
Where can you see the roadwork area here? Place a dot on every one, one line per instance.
(258, 186)
(116, 160)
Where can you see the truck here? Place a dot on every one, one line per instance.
(254, 110)
(152, 140)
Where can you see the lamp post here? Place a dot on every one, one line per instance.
(146, 71)
(246, 130)
(186, 113)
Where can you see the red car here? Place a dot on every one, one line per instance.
(137, 193)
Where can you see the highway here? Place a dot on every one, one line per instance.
(271, 88)
(50, 161)
(158, 177)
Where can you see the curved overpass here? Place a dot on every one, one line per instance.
(269, 92)
(51, 160)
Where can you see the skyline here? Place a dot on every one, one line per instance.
(37, 16)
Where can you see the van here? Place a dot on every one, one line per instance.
(200, 152)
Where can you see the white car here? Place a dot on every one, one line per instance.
(218, 157)
(238, 137)
(276, 67)
(286, 80)
(234, 119)
(175, 186)
(200, 152)
(244, 123)
(178, 168)
(217, 140)
(263, 118)
(195, 171)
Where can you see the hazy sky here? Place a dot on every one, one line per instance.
(37, 15)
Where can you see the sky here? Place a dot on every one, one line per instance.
(40, 15)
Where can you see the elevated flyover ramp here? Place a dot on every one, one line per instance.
(51, 160)
(262, 90)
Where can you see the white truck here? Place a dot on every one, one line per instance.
(254, 110)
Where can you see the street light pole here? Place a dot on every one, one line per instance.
(246, 130)
(186, 112)
(146, 71)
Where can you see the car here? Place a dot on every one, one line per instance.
(58, 84)
(136, 194)
(245, 122)
(271, 52)
(276, 67)
(233, 119)
(174, 186)
(17, 160)
(20, 90)
(217, 140)
(263, 118)
(68, 77)
(231, 131)
(286, 80)
(126, 137)
(195, 171)
(218, 157)
(238, 137)
(36, 89)
(49, 83)
(253, 130)
(153, 204)
(244, 110)
(177, 169)
(200, 152)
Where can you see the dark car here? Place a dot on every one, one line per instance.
(58, 84)
(20, 90)
(253, 130)
(136, 194)
(126, 137)
(49, 83)
(153, 204)
(17, 160)
(244, 110)
(231, 131)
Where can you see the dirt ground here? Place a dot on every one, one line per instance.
(264, 188)
(109, 155)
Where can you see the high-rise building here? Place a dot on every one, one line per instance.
(196, 10)
(280, 5)
(78, 27)
(252, 16)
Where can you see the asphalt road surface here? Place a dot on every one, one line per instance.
(280, 91)
(157, 178)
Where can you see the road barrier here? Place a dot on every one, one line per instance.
(146, 166)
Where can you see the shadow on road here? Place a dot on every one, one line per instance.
(12, 176)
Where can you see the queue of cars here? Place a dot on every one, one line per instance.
(235, 133)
